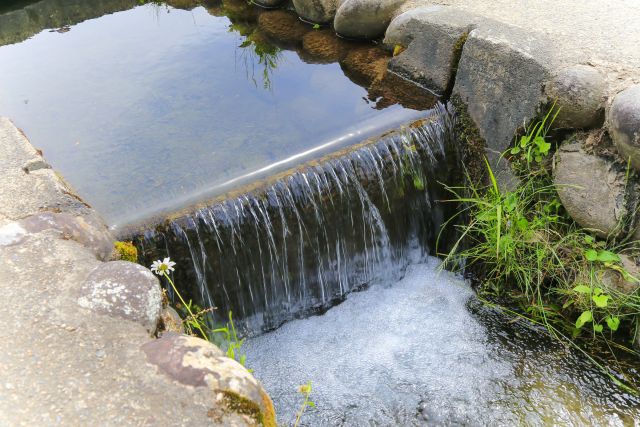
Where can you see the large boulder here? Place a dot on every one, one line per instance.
(365, 19)
(316, 11)
(196, 363)
(624, 124)
(591, 188)
(500, 77)
(125, 290)
(579, 92)
(433, 37)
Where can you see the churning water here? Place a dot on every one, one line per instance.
(423, 351)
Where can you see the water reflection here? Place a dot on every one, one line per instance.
(155, 105)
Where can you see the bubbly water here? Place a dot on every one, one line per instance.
(423, 351)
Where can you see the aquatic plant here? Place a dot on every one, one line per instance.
(305, 390)
(522, 245)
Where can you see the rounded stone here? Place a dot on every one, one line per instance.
(125, 290)
(365, 19)
(197, 363)
(591, 188)
(579, 92)
(316, 11)
(624, 124)
(86, 230)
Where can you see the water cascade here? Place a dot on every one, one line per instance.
(298, 243)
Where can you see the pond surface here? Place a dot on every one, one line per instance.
(423, 351)
(151, 108)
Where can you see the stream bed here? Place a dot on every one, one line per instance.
(424, 351)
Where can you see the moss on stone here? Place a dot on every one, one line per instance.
(126, 251)
(233, 402)
(474, 146)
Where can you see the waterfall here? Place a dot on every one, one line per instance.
(302, 241)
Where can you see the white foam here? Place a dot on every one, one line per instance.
(412, 354)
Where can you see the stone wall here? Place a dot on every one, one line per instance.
(508, 75)
(79, 329)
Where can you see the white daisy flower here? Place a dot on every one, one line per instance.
(162, 267)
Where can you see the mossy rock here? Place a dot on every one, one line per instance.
(125, 251)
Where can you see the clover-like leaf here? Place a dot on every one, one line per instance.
(585, 317)
(613, 322)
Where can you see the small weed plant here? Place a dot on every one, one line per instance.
(305, 390)
(194, 321)
(523, 246)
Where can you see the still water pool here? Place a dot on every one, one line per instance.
(151, 108)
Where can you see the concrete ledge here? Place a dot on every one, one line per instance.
(73, 326)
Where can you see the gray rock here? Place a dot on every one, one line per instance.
(591, 188)
(317, 11)
(433, 37)
(171, 320)
(364, 19)
(500, 77)
(126, 290)
(614, 279)
(579, 91)
(87, 230)
(197, 363)
(624, 124)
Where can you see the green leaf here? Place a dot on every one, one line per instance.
(597, 327)
(524, 140)
(613, 322)
(567, 304)
(582, 289)
(600, 300)
(606, 256)
(510, 202)
(597, 291)
(310, 403)
(543, 146)
(588, 239)
(522, 224)
(515, 150)
(585, 317)
(591, 255)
